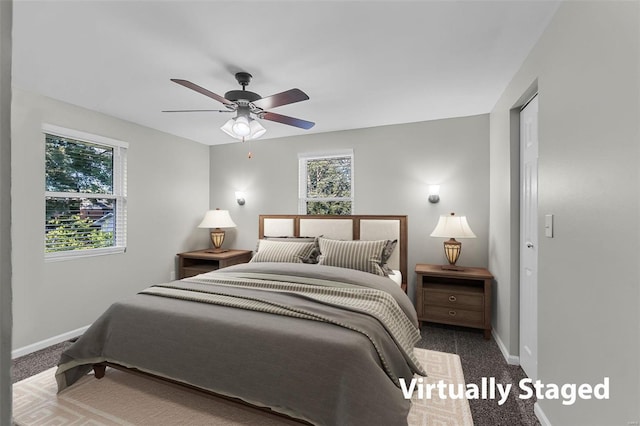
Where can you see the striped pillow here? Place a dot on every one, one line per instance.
(283, 251)
(313, 255)
(360, 255)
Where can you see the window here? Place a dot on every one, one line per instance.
(326, 185)
(85, 194)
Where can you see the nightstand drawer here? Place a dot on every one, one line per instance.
(453, 299)
(453, 316)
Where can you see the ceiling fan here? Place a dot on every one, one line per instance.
(249, 107)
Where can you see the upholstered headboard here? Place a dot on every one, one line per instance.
(356, 227)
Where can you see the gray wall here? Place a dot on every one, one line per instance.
(168, 191)
(586, 66)
(393, 166)
(5, 211)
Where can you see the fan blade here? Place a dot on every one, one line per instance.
(202, 90)
(198, 110)
(303, 124)
(283, 98)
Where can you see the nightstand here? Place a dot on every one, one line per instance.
(198, 262)
(454, 297)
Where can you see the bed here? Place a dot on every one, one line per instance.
(317, 342)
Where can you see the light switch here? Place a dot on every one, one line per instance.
(548, 225)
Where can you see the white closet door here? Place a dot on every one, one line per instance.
(529, 239)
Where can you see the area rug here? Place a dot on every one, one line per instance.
(122, 398)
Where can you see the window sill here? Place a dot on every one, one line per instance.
(79, 254)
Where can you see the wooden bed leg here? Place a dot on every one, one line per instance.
(99, 370)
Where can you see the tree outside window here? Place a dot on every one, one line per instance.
(85, 202)
(326, 185)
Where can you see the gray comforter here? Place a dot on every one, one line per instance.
(318, 343)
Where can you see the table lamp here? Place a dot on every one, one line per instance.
(452, 227)
(217, 219)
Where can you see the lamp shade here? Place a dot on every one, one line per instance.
(227, 128)
(217, 219)
(241, 126)
(452, 226)
(257, 129)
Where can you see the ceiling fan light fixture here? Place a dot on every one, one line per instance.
(241, 127)
(255, 128)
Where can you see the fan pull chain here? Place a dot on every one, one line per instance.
(249, 154)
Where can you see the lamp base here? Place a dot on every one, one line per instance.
(217, 238)
(452, 250)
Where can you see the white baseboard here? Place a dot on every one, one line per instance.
(542, 418)
(26, 350)
(511, 359)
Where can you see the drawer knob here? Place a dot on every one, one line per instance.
(452, 299)
(452, 313)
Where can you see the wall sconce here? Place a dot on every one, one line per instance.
(240, 198)
(434, 193)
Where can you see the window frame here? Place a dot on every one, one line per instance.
(119, 193)
(303, 159)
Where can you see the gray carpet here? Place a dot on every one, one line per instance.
(34, 363)
(480, 358)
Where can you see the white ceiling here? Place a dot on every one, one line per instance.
(362, 63)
